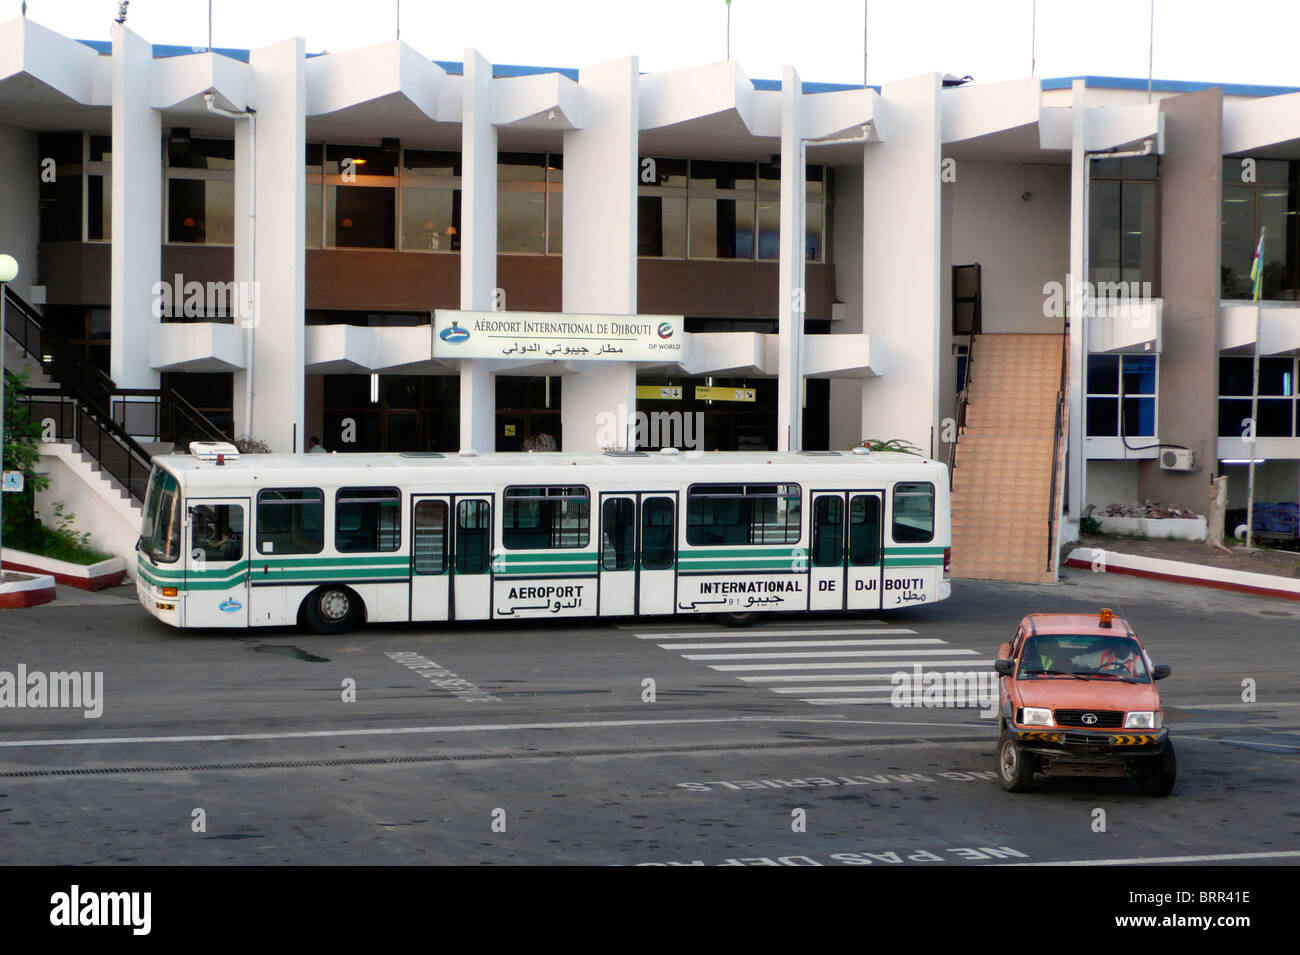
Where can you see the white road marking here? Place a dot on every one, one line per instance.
(1166, 860)
(887, 664)
(807, 677)
(462, 728)
(799, 643)
(1239, 742)
(954, 702)
(1228, 706)
(881, 688)
(754, 634)
(647, 628)
(826, 654)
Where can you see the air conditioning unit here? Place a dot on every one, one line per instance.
(1177, 459)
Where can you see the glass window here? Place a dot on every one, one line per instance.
(1270, 201)
(473, 536)
(200, 211)
(661, 207)
(1121, 384)
(430, 543)
(1123, 210)
(359, 216)
(546, 518)
(160, 528)
(864, 530)
(367, 520)
(721, 209)
(217, 532)
(828, 531)
(521, 202)
(913, 513)
(618, 533)
(60, 202)
(290, 521)
(430, 201)
(743, 514)
(658, 543)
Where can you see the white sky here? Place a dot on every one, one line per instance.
(1245, 41)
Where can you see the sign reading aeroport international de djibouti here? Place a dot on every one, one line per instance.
(556, 336)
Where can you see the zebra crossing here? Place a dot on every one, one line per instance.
(821, 666)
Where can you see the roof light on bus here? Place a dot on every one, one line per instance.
(862, 449)
(218, 451)
(468, 453)
(667, 450)
(1106, 616)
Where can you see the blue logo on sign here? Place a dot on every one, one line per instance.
(229, 605)
(454, 335)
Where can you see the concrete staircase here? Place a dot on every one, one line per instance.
(1002, 475)
(15, 359)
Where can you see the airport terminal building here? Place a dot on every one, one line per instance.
(1043, 283)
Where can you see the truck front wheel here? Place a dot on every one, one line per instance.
(1015, 767)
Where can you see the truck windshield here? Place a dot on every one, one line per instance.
(1086, 656)
(160, 530)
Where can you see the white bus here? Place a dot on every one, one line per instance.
(329, 541)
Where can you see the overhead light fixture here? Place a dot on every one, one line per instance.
(374, 388)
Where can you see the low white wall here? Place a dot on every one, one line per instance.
(1170, 528)
(113, 523)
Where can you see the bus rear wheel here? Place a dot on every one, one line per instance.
(332, 609)
(737, 619)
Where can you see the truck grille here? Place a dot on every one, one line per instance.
(1106, 719)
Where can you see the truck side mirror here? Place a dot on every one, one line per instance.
(1004, 666)
(1162, 671)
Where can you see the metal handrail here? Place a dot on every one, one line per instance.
(107, 442)
(1053, 508)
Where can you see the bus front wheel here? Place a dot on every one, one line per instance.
(332, 609)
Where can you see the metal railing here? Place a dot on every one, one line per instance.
(1053, 505)
(91, 410)
(112, 448)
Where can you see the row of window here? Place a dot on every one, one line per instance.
(1277, 413)
(370, 197)
(1121, 396)
(368, 520)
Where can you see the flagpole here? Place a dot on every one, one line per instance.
(1254, 396)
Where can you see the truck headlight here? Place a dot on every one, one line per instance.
(1141, 720)
(1036, 716)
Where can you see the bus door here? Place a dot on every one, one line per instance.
(217, 562)
(430, 558)
(863, 550)
(451, 556)
(638, 553)
(828, 561)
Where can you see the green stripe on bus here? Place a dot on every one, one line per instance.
(561, 557)
(391, 560)
(913, 562)
(907, 549)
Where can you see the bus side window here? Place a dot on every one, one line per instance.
(217, 532)
(657, 538)
(290, 521)
(913, 513)
(828, 531)
(473, 536)
(431, 537)
(864, 530)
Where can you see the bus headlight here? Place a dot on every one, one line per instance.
(1036, 716)
(1141, 720)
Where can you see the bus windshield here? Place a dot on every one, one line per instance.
(160, 530)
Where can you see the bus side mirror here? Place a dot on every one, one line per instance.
(1162, 671)
(1004, 666)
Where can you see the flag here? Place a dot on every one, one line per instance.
(1257, 267)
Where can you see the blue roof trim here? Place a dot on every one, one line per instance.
(1166, 86)
(457, 68)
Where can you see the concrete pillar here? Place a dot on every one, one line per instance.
(1076, 472)
(136, 256)
(278, 173)
(1190, 200)
(20, 198)
(600, 273)
(792, 289)
(478, 245)
(901, 256)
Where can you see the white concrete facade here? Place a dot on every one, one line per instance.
(897, 217)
